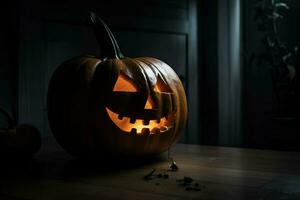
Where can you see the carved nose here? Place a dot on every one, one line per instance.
(149, 103)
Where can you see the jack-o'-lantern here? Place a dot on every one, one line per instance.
(115, 105)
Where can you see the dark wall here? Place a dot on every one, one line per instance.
(221, 72)
(52, 32)
(208, 55)
(9, 58)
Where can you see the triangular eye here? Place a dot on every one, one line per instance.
(161, 86)
(124, 84)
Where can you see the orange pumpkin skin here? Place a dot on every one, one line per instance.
(18, 141)
(22, 141)
(68, 104)
(92, 112)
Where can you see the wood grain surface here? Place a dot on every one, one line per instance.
(221, 172)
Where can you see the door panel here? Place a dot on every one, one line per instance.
(51, 34)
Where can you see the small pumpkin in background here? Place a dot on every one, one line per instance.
(115, 105)
(18, 141)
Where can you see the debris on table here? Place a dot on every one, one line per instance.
(187, 179)
(189, 184)
(149, 175)
(166, 176)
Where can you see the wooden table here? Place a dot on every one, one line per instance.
(221, 172)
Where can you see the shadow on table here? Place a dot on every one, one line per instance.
(62, 165)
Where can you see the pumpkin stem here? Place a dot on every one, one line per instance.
(10, 119)
(107, 41)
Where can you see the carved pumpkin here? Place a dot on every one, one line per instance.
(114, 105)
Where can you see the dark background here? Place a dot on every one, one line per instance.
(229, 99)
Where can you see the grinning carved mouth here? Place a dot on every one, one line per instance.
(140, 126)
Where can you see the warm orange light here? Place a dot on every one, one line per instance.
(149, 103)
(156, 89)
(124, 84)
(153, 126)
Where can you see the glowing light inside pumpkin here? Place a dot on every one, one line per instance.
(141, 126)
(124, 84)
(153, 126)
(149, 103)
(156, 88)
(161, 87)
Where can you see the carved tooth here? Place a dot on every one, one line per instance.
(145, 131)
(133, 131)
(120, 117)
(132, 120)
(146, 122)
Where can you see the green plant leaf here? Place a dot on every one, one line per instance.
(276, 15)
(282, 5)
(292, 72)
